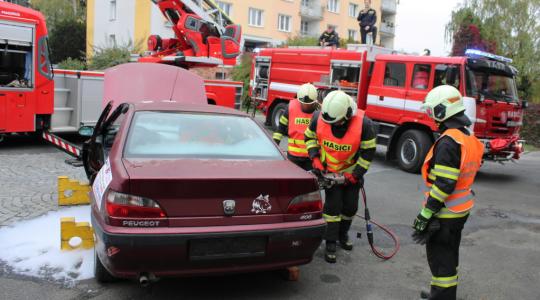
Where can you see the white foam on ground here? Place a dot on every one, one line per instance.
(32, 248)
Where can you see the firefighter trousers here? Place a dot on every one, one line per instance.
(340, 206)
(442, 251)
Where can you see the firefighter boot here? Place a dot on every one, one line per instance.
(330, 252)
(344, 241)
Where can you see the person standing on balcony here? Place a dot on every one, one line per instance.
(367, 19)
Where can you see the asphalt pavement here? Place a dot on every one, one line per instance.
(500, 253)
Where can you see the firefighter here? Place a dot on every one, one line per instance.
(299, 114)
(340, 139)
(329, 38)
(448, 173)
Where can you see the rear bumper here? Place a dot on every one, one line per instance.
(168, 254)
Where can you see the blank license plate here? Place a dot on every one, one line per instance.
(221, 248)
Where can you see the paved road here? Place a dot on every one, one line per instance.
(499, 256)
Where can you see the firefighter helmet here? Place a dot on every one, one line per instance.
(307, 93)
(337, 106)
(443, 102)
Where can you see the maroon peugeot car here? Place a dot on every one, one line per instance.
(182, 189)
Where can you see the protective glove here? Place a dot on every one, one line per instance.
(423, 237)
(317, 165)
(351, 179)
(422, 220)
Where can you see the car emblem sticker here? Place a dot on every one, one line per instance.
(261, 205)
(228, 207)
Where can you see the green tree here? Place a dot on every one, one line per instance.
(241, 72)
(514, 27)
(66, 22)
(56, 11)
(68, 40)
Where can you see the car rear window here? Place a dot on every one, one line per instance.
(205, 136)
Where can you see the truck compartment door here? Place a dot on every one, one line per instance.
(3, 114)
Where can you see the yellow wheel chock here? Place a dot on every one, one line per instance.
(72, 192)
(70, 229)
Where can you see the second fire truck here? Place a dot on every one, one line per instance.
(391, 87)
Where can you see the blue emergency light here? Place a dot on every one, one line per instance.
(474, 52)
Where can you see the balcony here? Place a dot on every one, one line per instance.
(389, 7)
(311, 12)
(387, 29)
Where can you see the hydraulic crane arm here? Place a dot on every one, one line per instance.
(205, 35)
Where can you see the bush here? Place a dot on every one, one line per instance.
(531, 125)
(72, 64)
(68, 40)
(241, 72)
(107, 57)
(302, 41)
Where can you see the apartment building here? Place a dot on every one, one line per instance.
(264, 22)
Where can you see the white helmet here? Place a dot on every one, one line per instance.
(307, 94)
(337, 106)
(443, 102)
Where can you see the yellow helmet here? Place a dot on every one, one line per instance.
(337, 106)
(307, 93)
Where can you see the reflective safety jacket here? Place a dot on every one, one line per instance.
(461, 199)
(338, 154)
(298, 123)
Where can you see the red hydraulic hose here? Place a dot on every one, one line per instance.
(369, 230)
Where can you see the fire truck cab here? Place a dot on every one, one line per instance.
(391, 88)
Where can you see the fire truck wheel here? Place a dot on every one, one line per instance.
(101, 274)
(411, 150)
(277, 112)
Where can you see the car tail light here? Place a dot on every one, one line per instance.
(128, 210)
(307, 203)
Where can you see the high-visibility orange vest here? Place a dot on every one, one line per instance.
(338, 153)
(298, 123)
(462, 198)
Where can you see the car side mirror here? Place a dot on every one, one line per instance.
(524, 104)
(86, 131)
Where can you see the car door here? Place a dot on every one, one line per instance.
(386, 99)
(418, 88)
(96, 149)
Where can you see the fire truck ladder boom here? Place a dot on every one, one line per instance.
(209, 11)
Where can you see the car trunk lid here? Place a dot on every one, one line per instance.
(196, 189)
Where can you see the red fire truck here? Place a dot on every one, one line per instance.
(35, 98)
(391, 87)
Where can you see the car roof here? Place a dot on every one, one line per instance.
(168, 105)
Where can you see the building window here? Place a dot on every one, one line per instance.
(353, 10)
(333, 6)
(221, 75)
(394, 75)
(256, 17)
(112, 10)
(305, 3)
(352, 34)
(284, 23)
(112, 40)
(304, 28)
(225, 7)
